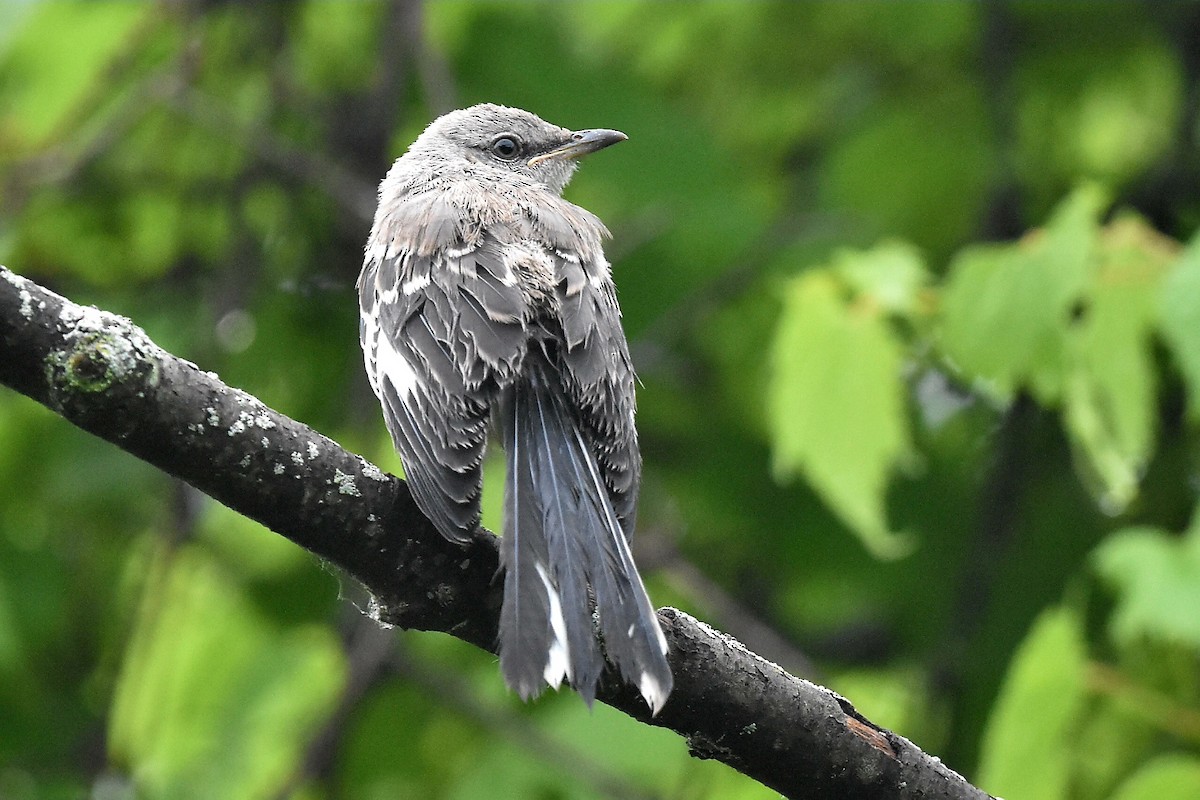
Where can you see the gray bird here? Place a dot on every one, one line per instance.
(486, 302)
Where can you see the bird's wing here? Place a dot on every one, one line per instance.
(598, 375)
(441, 327)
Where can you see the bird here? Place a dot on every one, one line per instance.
(487, 308)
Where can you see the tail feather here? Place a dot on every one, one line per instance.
(551, 463)
(633, 639)
(526, 632)
(545, 624)
(562, 537)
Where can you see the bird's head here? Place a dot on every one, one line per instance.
(514, 141)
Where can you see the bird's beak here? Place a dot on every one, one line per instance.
(580, 144)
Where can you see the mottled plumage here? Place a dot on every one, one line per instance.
(486, 303)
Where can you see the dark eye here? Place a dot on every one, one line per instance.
(506, 147)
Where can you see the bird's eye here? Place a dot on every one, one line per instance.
(505, 147)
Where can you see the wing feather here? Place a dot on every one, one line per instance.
(442, 330)
(599, 377)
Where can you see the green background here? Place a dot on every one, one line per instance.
(914, 294)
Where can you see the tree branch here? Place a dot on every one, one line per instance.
(102, 373)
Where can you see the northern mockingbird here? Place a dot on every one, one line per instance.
(486, 300)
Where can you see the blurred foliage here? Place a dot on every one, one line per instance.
(1045, 683)
(913, 290)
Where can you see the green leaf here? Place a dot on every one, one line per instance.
(1113, 738)
(1067, 314)
(1157, 578)
(213, 700)
(1179, 312)
(892, 274)
(1109, 394)
(1170, 777)
(1028, 742)
(1007, 308)
(836, 404)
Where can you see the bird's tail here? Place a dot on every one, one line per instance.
(562, 536)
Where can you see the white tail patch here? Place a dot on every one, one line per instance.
(558, 660)
(652, 691)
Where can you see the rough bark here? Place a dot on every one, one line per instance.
(102, 373)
